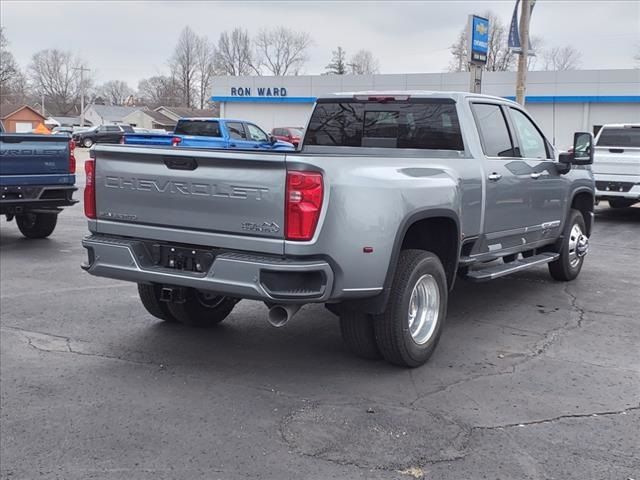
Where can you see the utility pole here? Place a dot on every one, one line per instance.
(82, 70)
(521, 80)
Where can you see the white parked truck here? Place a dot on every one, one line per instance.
(616, 164)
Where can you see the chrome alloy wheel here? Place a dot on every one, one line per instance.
(424, 308)
(578, 245)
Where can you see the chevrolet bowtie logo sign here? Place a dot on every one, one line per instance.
(481, 28)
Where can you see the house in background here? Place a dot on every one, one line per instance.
(108, 114)
(20, 118)
(176, 113)
(150, 119)
(65, 122)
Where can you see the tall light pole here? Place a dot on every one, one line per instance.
(521, 79)
(82, 70)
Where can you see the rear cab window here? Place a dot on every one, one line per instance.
(198, 128)
(387, 122)
(619, 137)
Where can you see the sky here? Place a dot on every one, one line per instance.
(131, 40)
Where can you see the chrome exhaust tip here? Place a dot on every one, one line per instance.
(279, 315)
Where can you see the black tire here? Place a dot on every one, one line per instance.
(150, 298)
(620, 202)
(392, 327)
(201, 309)
(359, 335)
(37, 225)
(87, 142)
(562, 268)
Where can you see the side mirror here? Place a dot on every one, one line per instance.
(582, 148)
(272, 139)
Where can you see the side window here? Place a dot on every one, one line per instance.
(236, 131)
(496, 140)
(256, 134)
(112, 128)
(532, 142)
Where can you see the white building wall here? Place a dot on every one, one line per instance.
(551, 94)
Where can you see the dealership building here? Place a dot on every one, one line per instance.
(562, 102)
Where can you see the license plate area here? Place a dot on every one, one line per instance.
(182, 258)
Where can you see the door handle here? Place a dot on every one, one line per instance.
(232, 144)
(535, 175)
(494, 177)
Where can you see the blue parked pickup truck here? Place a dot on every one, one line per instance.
(37, 177)
(212, 133)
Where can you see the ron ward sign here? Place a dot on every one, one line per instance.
(258, 91)
(478, 35)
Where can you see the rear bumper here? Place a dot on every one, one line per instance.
(617, 186)
(22, 198)
(240, 275)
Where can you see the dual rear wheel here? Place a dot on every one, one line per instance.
(407, 332)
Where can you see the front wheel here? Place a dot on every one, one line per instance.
(575, 246)
(409, 329)
(37, 225)
(202, 309)
(87, 143)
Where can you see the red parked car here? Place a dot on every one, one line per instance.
(288, 134)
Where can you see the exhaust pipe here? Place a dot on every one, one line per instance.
(279, 315)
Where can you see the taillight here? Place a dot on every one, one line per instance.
(175, 141)
(90, 189)
(303, 203)
(72, 157)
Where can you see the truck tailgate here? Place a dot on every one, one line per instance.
(616, 161)
(37, 155)
(223, 199)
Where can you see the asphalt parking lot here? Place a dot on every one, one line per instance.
(533, 379)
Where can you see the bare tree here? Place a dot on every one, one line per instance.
(535, 53)
(183, 63)
(115, 92)
(499, 57)
(205, 68)
(234, 53)
(160, 90)
(53, 74)
(562, 58)
(363, 63)
(8, 66)
(281, 51)
(338, 65)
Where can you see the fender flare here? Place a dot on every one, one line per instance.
(589, 219)
(377, 304)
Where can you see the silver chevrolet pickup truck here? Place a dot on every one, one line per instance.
(391, 196)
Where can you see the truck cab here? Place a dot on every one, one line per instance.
(213, 133)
